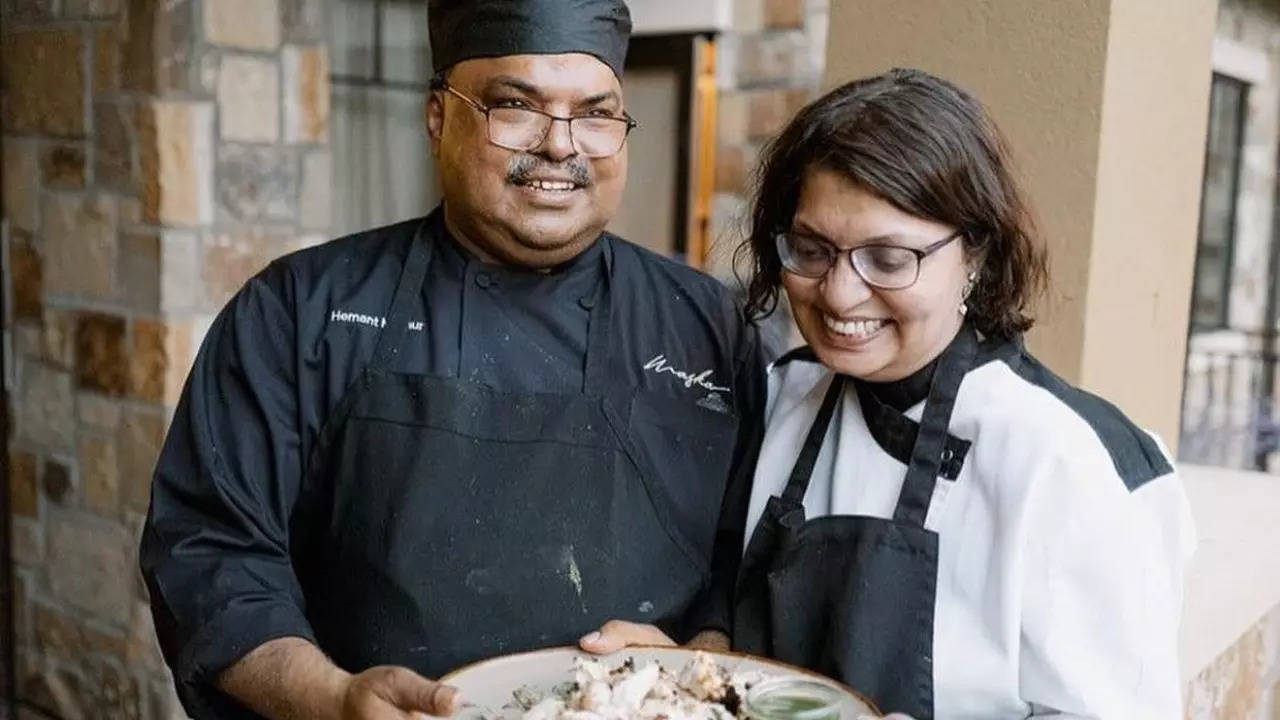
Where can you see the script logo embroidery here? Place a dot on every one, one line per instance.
(660, 366)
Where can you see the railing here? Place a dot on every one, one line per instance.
(1230, 408)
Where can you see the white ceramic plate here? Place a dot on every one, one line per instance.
(489, 684)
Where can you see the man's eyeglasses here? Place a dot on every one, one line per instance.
(888, 267)
(523, 129)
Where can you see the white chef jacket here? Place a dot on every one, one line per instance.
(1063, 531)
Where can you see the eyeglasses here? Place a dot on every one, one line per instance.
(595, 136)
(888, 267)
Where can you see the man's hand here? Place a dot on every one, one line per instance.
(396, 693)
(290, 679)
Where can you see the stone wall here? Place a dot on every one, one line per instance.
(156, 153)
(1244, 682)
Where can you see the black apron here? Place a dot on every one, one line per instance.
(445, 522)
(853, 596)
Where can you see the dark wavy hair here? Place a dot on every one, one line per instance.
(928, 148)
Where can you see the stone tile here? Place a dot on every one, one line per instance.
(138, 271)
(100, 353)
(90, 565)
(44, 85)
(115, 139)
(100, 638)
(147, 361)
(766, 113)
(62, 165)
(179, 271)
(57, 633)
(158, 47)
(58, 485)
(176, 45)
(256, 183)
(248, 24)
(45, 412)
(230, 260)
(22, 183)
(28, 10)
(27, 277)
(138, 445)
(107, 42)
(315, 204)
(248, 98)
(53, 690)
(141, 647)
(180, 345)
(731, 118)
(100, 474)
(21, 609)
(306, 93)
(164, 701)
(26, 542)
(58, 338)
(138, 46)
(784, 13)
(79, 244)
(113, 692)
(302, 21)
(91, 9)
(26, 340)
(177, 162)
(97, 412)
(748, 16)
(23, 491)
(771, 57)
(731, 169)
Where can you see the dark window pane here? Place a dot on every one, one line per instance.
(1218, 201)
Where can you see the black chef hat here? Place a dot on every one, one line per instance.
(464, 29)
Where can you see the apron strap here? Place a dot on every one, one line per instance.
(595, 373)
(396, 325)
(798, 483)
(931, 441)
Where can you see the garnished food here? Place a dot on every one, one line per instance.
(701, 690)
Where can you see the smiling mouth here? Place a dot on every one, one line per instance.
(854, 329)
(550, 186)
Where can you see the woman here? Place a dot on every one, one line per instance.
(937, 519)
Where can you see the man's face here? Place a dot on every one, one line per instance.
(537, 207)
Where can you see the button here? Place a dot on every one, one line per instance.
(484, 279)
(947, 455)
(587, 301)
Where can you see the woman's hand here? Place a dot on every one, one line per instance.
(617, 634)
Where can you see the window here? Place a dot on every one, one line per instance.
(1214, 251)
(383, 171)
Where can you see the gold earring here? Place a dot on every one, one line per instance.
(968, 288)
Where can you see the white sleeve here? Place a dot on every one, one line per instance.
(1102, 592)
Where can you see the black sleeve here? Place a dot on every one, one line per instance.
(215, 550)
(714, 610)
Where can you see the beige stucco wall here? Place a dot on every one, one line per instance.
(1106, 122)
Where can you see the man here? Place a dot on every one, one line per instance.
(481, 432)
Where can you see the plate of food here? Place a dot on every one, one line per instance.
(649, 683)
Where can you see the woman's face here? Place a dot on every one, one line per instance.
(854, 328)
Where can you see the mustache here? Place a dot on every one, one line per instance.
(522, 168)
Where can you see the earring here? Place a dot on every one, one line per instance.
(968, 288)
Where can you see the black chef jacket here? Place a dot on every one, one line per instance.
(280, 356)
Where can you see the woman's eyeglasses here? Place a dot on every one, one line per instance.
(888, 267)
